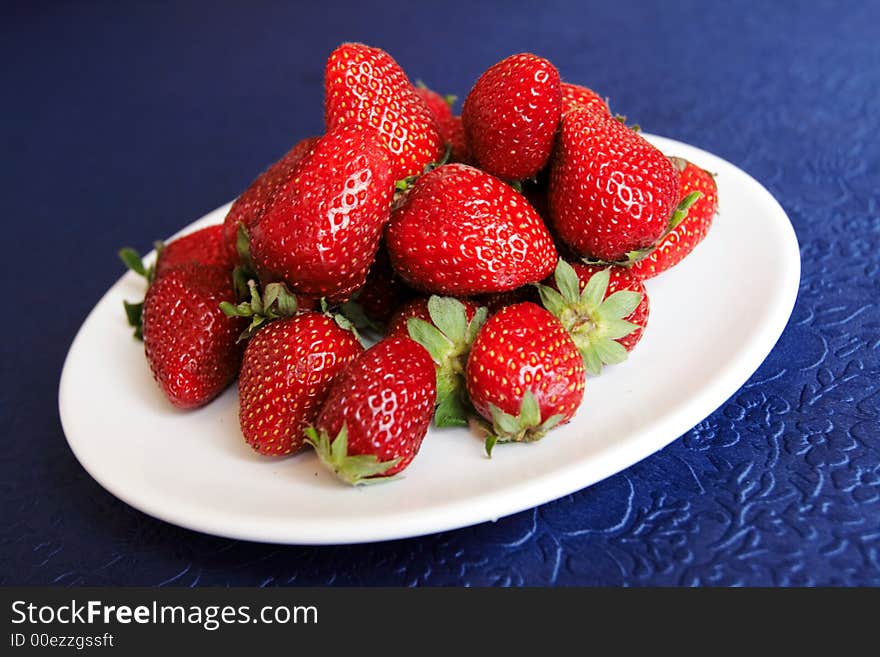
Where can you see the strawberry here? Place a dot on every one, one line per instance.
(202, 247)
(460, 232)
(321, 232)
(451, 126)
(191, 346)
(248, 208)
(288, 367)
(448, 333)
(682, 239)
(524, 374)
(511, 114)
(364, 86)
(418, 307)
(604, 309)
(377, 412)
(612, 194)
(574, 95)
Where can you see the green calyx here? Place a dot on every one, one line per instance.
(594, 322)
(132, 259)
(276, 301)
(354, 469)
(448, 339)
(526, 427)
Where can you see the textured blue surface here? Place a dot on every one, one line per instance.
(122, 123)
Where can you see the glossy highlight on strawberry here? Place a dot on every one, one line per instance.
(511, 115)
(364, 86)
(460, 231)
(321, 233)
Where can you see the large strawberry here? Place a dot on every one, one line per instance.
(682, 239)
(460, 232)
(604, 309)
(249, 207)
(575, 95)
(377, 412)
(288, 367)
(364, 86)
(191, 346)
(511, 115)
(524, 374)
(612, 194)
(322, 230)
(450, 125)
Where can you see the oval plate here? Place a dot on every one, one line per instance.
(714, 318)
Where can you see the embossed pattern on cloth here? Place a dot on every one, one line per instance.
(779, 486)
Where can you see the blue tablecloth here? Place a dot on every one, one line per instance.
(122, 122)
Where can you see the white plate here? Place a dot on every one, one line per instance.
(714, 319)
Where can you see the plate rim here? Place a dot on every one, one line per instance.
(507, 500)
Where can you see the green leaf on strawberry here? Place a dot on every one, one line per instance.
(525, 427)
(448, 339)
(594, 322)
(275, 302)
(354, 469)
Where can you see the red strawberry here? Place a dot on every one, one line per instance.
(190, 344)
(377, 412)
(419, 308)
(286, 374)
(253, 202)
(321, 232)
(604, 309)
(574, 95)
(524, 374)
(364, 86)
(611, 192)
(460, 232)
(451, 126)
(202, 247)
(682, 239)
(511, 115)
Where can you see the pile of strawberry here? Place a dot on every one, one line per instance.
(499, 257)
